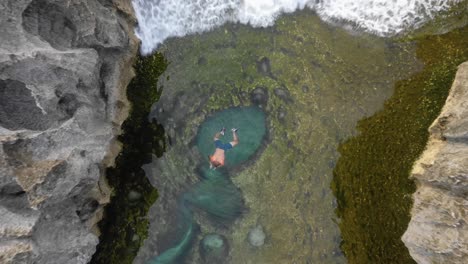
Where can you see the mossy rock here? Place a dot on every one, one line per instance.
(124, 226)
(371, 178)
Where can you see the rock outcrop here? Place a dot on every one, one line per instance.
(438, 230)
(64, 67)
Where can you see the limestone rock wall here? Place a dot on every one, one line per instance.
(438, 230)
(64, 67)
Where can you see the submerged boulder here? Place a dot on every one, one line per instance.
(283, 94)
(256, 236)
(214, 248)
(264, 67)
(259, 96)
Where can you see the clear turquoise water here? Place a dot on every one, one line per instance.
(187, 230)
(251, 124)
(215, 195)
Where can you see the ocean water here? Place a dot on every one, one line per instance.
(162, 19)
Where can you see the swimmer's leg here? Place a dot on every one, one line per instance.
(235, 137)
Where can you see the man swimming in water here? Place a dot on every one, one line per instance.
(217, 159)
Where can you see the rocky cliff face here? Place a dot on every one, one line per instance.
(438, 231)
(64, 67)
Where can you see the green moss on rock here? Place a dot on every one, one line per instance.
(125, 226)
(371, 178)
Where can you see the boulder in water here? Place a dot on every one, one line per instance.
(259, 96)
(264, 67)
(214, 248)
(256, 236)
(283, 94)
(134, 195)
(282, 114)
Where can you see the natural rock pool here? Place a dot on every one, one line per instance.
(296, 91)
(314, 82)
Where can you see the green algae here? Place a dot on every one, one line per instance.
(371, 178)
(124, 226)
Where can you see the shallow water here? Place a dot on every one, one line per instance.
(214, 195)
(314, 82)
(252, 122)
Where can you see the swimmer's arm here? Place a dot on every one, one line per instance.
(217, 136)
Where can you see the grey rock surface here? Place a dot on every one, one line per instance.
(64, 67)
(438, 230)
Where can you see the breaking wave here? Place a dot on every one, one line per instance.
(161, 19)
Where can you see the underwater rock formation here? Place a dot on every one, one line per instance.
(259, 96)
(64, 69)
(438, 231)
(214, 248)
(256, 236)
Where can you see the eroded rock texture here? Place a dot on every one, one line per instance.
(64, 66)
(438, 231)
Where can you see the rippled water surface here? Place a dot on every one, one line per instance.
(313, 82)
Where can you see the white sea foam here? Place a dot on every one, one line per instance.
(161, 19)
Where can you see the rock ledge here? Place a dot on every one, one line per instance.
(64, 68)
(438, 230)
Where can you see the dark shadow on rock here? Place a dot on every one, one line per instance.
(264, 67)
(50, 22)
(18, 108)
(283, 94)
(259, 96)
(68, 104)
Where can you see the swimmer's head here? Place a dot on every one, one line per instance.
(214, 164)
